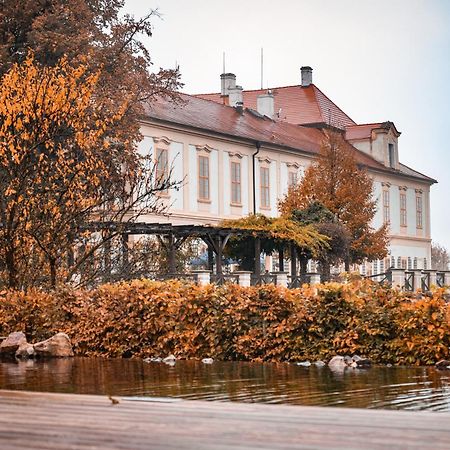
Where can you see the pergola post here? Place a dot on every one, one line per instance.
(124, 251)
(171, 251)
(107, 260)
(219, 258)
(293, 263)
(210, 257)
(281, 259)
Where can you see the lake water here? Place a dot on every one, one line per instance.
(411, 388)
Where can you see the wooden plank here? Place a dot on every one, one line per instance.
(65, 421)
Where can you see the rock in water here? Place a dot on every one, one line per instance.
(207, 360)
(57, 346)
(304, 364)
(25, 351)
(169, 359)
(337, 363)
(11, 344)
(443, 364)
(319, 364)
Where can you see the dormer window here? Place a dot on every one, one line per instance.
(391, 155)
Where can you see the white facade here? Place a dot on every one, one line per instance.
(275, 167)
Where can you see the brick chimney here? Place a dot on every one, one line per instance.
(306, 76)
(265, 104)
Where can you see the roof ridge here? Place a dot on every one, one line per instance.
(364, 124)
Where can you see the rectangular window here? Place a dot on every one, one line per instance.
(403, 210)
(162, 167)
(236, 182)
(292, 179)
(386, 207)
(391, 155)
(265, 187)
(203, 178)
(419, 212)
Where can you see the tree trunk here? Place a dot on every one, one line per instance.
(52, 264)
(10, 261)
(303, 267)
(325, 271)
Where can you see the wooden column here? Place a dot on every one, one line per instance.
(219, 257)
(293, 262)
(210, 257)
(124, 251)
(281, 259)
(171, 253)
(107, 260)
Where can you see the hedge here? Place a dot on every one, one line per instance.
(145, 318)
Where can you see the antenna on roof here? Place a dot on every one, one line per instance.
(262, 68)
(223, 69)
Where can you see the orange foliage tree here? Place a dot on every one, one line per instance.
(335, 180)
(58, 165)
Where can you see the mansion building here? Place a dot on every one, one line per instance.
(236, 152)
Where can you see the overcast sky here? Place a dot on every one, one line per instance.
(377, 60)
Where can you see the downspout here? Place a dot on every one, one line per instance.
(258, 147)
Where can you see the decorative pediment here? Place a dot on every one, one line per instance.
(205, 148)
(386, 184)
(236, 155)
(419, 191)
(403, 188)
(293, 165)
(161, 140)
(264, 159)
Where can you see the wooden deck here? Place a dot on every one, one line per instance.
(63, 421)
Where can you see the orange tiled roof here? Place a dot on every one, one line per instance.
(210, 116)
(364, 131)
(297, 105)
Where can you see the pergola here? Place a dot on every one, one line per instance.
(172, 238)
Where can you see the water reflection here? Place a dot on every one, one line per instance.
(378, 387)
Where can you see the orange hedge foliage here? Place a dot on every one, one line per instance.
(150, 318)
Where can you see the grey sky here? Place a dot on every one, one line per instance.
(377, 60)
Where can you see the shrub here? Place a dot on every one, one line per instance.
(152, 318)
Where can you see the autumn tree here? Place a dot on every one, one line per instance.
(94, 37)
(60, 166)
(440, 258)
(337, 181)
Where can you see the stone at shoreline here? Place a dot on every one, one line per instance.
(348, 360)
(207, 360)
(319, 364)
(57, 346)
(443, 364)
(360, 363)
(304, 364)
(25, 351)
(153, 359)
(11, 344)
(337, 363)
(169, 359)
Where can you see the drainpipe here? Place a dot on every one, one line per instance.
(258, 147)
